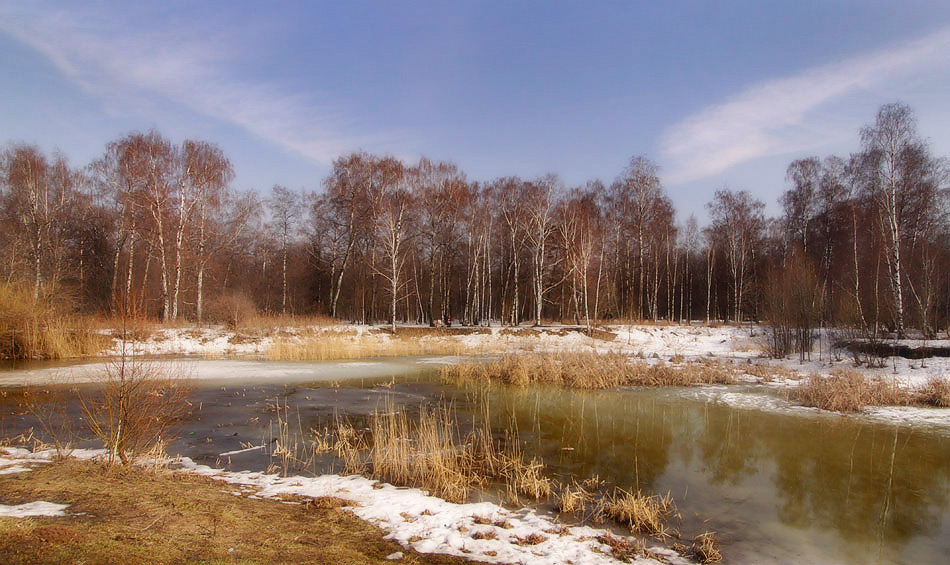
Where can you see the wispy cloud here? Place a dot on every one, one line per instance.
(779, 116)
(129, 68)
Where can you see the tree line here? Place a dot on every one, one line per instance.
(861, 241)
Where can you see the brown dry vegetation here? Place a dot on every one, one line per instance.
(44, 328)
(429, 452)
(588, 371)
(132, 515)
(935, 393)
(851, 391)
(329, 347)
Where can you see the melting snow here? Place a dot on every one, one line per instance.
(30, 509)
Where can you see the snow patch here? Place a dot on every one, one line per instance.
(31, 509)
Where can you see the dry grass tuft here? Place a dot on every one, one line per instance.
(430, 452)
(642, 514)
(485, 534)
(705, 548)
(533, 538)
(623, 549)
(571, 499)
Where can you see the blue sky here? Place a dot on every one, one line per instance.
(717, 93)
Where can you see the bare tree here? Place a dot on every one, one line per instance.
(284, 207)
(737, 222)
(899, 180)
(394, 213)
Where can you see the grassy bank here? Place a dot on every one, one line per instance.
(126, 514)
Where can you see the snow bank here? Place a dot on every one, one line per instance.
(432, 525)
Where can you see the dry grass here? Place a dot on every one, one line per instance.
(330, 347)
(705, 548)
(271, 323)
(590, 371)
(850, 391)
(429, 451)
(572, 499)
(44, 328)
(132, 515)
(641, 513)
(624, 549)
(525, 479)
(935, 393)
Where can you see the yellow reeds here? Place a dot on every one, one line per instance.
(43, 328)
(590, 371)
(850, 391)
(325, 347)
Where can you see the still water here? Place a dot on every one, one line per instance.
(777, 486)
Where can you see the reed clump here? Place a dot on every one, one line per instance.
(430, 451)
(936, 392)
(588, 370)
(850, 391)
(705, 548)
(643, 514)
(44, 327)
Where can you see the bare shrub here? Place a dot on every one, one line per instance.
(234, 309)
(791, 302)
(135, 408)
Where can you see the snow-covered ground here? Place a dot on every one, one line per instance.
(660, 342)
(409, 516)
(740, 345)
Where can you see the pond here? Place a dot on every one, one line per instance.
(778, 486)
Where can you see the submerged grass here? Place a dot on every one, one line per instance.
(589, 370)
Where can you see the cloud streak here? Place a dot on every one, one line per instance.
(777, 116)
(128, 68)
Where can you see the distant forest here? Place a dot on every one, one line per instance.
(862, 241)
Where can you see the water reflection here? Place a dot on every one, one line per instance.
(778, 487)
